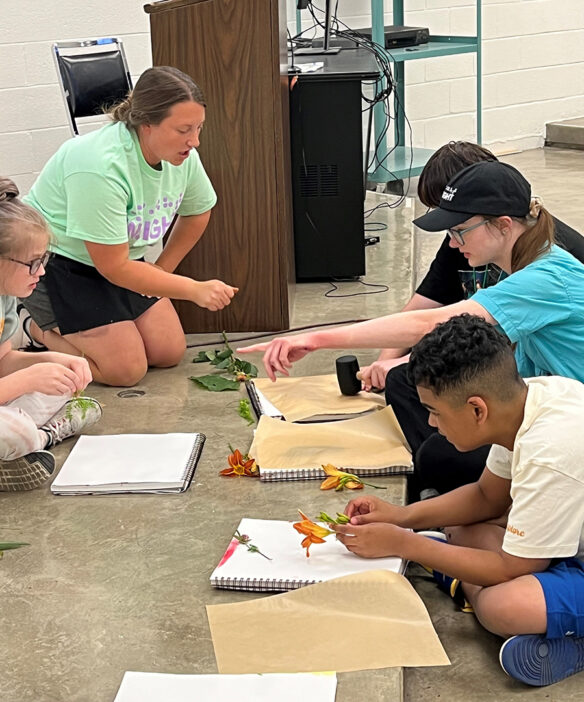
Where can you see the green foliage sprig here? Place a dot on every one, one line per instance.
(228, 364)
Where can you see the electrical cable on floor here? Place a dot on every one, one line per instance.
(384, 288)
(280, 333)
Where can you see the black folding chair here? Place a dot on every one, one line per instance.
(93, 75)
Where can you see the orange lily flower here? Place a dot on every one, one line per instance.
(240, 465)
(337, 479)
(314, 532)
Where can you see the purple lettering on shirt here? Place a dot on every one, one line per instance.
(149, 226)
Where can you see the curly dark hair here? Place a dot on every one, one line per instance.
(465, 356)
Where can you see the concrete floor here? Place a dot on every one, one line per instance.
(117, 583)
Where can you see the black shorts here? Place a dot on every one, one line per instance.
(75, 297)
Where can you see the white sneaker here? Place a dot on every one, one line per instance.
(77, 414)
(26, 473)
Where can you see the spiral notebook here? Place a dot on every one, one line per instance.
(284, 565)
(371, 445)
(130, 463)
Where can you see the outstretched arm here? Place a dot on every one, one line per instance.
(373, 376)
(403, 329)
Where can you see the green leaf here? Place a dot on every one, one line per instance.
(246, 367)
(223, 364)
(226, 353)
(245, 411)
(201, 357)
(215, 383)
(8, 545)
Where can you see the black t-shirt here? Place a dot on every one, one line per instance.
(449, 279)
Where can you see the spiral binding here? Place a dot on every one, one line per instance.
(191, 465)
(260, 584)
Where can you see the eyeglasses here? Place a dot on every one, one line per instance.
(458, 234)
(34, 265)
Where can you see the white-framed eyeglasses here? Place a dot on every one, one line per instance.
(458, 234)
(34, 265)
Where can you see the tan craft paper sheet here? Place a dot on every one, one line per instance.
(358, 622)
(300, 398)
(372, 441)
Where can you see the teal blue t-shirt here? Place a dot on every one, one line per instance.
(541, 309)
(8, 317)
(99, 188)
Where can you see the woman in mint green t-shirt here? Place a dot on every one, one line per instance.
(107, 196)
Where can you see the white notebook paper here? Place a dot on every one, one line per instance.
(280, 687)
(130, 463)
(289, 568)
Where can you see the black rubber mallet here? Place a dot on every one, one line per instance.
(347, 369)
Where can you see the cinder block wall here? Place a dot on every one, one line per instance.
(533, 68)
(33, 120)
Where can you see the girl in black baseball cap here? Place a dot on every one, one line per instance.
(491, 217)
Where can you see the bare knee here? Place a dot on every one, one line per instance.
(171, 354)
(497, 614)
(123, 374)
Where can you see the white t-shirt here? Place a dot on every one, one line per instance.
(546, 469)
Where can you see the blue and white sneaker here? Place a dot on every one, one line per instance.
(534, 660)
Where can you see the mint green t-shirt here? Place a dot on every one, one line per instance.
(99, 188)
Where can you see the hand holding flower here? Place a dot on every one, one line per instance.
(371, 540)
(369, 509)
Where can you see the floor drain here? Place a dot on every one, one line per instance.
(131, 393)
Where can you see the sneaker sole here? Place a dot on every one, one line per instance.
(537, 661)
(27, 473)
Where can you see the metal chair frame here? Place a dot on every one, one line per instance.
(58, 56)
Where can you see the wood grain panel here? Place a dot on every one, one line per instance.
(233, 50)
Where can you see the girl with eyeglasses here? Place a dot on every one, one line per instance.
(492, 218)
(36, 389)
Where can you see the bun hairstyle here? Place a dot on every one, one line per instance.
(155, 93)
(19, 222)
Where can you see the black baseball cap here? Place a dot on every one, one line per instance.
(485, 188)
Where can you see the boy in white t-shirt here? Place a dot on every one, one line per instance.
(516, 552)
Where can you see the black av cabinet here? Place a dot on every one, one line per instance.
(327, 166)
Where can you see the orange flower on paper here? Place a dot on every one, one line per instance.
(338, 480)
(314, 533)
(240, 465)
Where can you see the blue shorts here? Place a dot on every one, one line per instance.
(563, 588)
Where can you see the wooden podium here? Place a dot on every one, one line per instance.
(236, 51)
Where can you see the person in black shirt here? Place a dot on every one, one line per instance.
(449, 278)
(439, 467)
